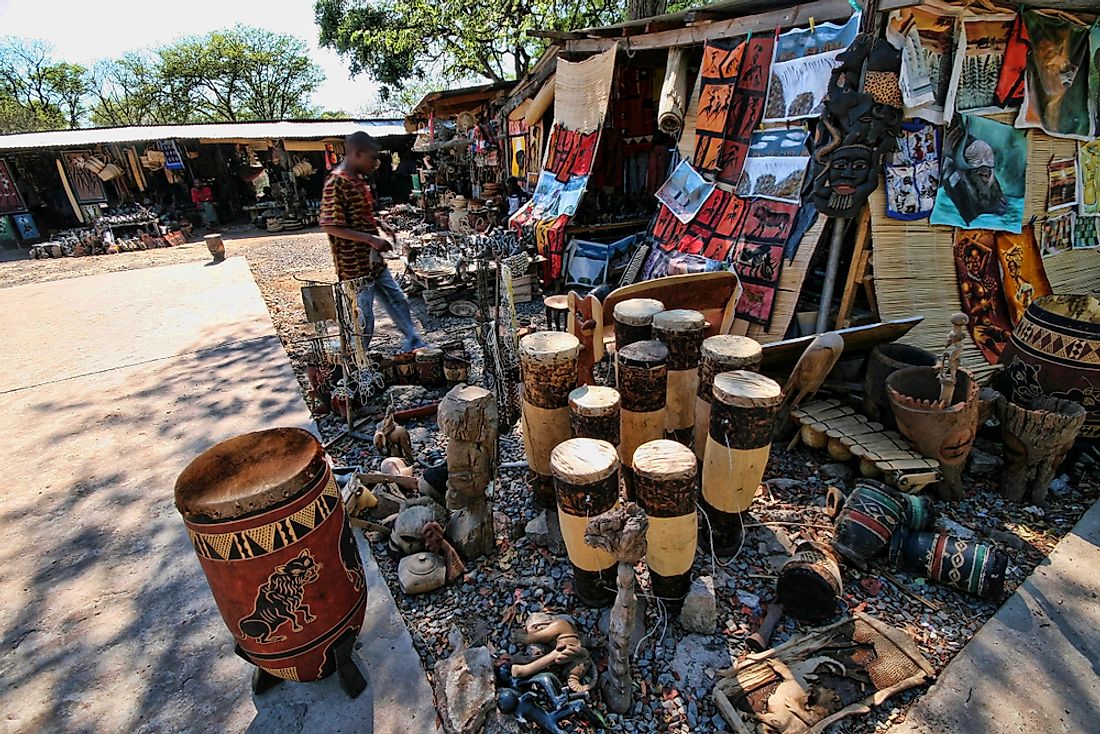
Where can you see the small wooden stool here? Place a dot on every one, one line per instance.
(557, 312)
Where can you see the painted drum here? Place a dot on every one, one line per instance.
(742, 418)
(634, 320)
(429, 366)
(872, 515)
(548, 364)
(1055, 351)
(976, 568)
(643, 385)
(665, 474)
(681, 330)
(266, 521)
(404, 365)
(594, 413)
(721, 353)
(809, 584)
(586, 481)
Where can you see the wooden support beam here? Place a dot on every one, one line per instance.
(555, 35)
(856, 270)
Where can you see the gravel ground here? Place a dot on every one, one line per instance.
(675, 669)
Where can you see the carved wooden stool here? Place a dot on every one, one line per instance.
(557, 312)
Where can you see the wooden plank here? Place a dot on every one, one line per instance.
(555, 35)
(856, 339)
(856, 268)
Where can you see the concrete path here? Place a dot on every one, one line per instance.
(1034, 667)
(109, 386)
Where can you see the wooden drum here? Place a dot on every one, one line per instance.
(634, 320)
(742, 418)
(586, 478)
(268, 526)
(681, 330)
(721, 353)
(664, 479)
(548, 361)
(643, 382)
(594, 413)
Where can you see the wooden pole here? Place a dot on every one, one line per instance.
(836, 244)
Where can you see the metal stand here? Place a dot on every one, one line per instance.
(835, 245)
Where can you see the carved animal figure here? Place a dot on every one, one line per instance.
(279, 600)
(392, 439)
(560, 633)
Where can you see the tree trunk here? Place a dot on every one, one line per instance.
(638, 9)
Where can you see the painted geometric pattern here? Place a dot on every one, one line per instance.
(259, 541)
(284, 673)
(1058, 346)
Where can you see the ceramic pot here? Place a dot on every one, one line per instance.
(976, 568)
(1055, 351)
(885, 360)
(421, 573)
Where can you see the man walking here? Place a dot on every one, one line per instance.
(347, 217)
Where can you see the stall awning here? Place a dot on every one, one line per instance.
(214, 132)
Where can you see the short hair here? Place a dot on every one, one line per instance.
(359, 140)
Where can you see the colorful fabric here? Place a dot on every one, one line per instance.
(1056, 234)
(984, 43)
(980, 291)
(1086, 233)
(804, 61)
(1010, 81)
(10, 198)
(25, 226)
(1023, 276)
(928, 38)
(1061, 183)
(747, 107)
(685, 192)
(717, 83)
(660, 263)
(346, 201)
(1088, 178)
(982, 175)
(775, 165)
(913, 172)
(1057, 97)
(758, 259)
(87, 187)
(711, 234)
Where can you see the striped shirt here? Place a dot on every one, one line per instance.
(347, 202)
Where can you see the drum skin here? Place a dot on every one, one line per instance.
(277, 551)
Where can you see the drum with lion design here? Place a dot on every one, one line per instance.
(266, 521)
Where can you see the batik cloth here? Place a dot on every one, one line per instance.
(980, 291)
(758, 257)
(913, 172)
(1023, 276)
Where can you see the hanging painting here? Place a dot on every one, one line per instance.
(87, 187)
(711, 234)
(1057, 234)
(8, 235)
(684, 192)
(983, 43)
(1023, 276)
(775, 166)
(928, 38)
(1010, 81)
(26, 227)
(173, 159)
(980, 291)
(804, 61)
(758, 257)
(717, 83)
(746, 108)
(982, 175)
(1088, 178)
(1061, 184)
(1094, 75)
(10, 198)
(913, 172)
(1057, 89)
(1086, 233)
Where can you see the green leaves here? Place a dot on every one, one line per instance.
(37, 92)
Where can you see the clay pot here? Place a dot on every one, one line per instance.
(810, 584)
(976, 568)
(1036, 438)
(885, 360)
(421, 573)
(942, 433)
(1055, 351)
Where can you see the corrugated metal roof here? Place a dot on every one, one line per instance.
(293, 129)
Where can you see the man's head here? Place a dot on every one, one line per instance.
(360, 153)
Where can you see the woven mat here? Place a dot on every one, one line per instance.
(582, 91)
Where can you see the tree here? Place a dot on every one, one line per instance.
(394, 41)
(38, 92)
(132, 90)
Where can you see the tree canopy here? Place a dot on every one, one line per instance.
(38, 92)
(396, 42)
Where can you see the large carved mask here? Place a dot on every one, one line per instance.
(857, 129)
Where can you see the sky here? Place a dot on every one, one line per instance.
(82, 32)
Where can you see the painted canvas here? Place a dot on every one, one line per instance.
(711, 234)
(684, 192)
(913, 172)
(980, 291)
(982, 175)
(1057, 234)
(775, 166)
(746, 108)
(804, 60)
(1086, 233)
(984, 41)
(8, 234)
(26, 227)
(1057, 89)
(1088, 178)
(928, 37)
(758, 256)
(87, 187)
(1010, 80)
(1023, 276)
(1094, 76)
(10, 198)
(1061, 184)
(717, 83)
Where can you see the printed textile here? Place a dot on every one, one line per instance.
(684, 192)
(984, 41)
(1088, 178)
(804, 61)
(10, 198)
(980, 291)
(1057, 89)
(913, 172)
(758, 258)
(717, 84)
(775, 166)
(1010, 81)
(1023, 276)
(928, 39)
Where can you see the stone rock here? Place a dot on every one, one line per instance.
(951, 527)
(984, 464)
(836, 472)
(464, 691)
(695, 656)
(700, 611)
(471, 531)
(545, 532)
(498, 723)
(409, 524)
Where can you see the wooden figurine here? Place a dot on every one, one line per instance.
(809, 372)
(621, 532)
(467, 416)
(681, 330)
(586, 323)
(721, 353)
(391, 439)
(548, 362)
(559, 633)
(949, 362)
(586, 479)
(1036, 440)
(643, 386)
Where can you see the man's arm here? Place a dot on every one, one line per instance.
(347, 233)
